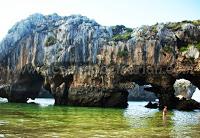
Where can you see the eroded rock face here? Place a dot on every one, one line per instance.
(83, 63)
(100, 97)
(139, 94)
(184, 88)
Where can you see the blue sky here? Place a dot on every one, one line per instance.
(131, 13)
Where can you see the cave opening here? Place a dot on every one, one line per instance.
(138, 93)
(143, 89)
(27, 86)
(58, 87)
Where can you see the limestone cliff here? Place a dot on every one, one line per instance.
(83, 63)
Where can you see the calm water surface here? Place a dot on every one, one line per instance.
(45, 120)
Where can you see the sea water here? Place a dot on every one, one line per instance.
(40, 118)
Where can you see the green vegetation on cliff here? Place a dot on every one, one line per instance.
(177, 26)
(121, 33)
(196, 22)
(185, 48)
(174, 26)
(167, 49)
(198, 46)
(122, 37)
(123, 53)
(50, 41)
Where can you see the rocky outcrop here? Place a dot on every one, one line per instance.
(139, 94)
(151, 105)
(100, 97)
(187, 105)
(184, 89)
(44, 94)
(83, 63)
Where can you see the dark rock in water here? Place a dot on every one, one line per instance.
(188, 105)
(151, 105)
(70, 55)
(92, 96)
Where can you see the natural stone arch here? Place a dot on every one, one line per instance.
(161, 83)
(58, 85)
(28, 84)
(44, 40)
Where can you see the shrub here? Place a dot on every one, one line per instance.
(198, 46)
(177, 26)
(183, 49)
(186, 21)
(154, 28)
(50, 41)
(121, 33)
(123, 53)
(196, 22)
(174, 26)
(129, 30)
(168, 49)
(122, 37)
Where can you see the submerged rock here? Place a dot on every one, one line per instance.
(83, 63)
(151, 105)
(187, 105)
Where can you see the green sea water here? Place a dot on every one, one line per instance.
(45, 120)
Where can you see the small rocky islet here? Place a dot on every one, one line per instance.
(83, 63)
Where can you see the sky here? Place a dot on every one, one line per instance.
(131, 13)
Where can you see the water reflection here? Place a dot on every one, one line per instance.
(164, 121)
(186, 124)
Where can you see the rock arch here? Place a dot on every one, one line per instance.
(28, 83)
(92, 61)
